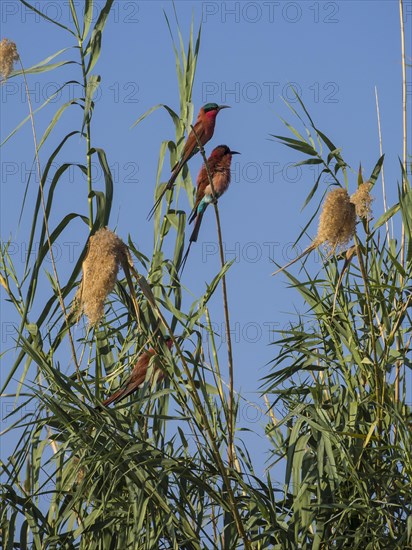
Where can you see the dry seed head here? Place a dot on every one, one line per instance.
(106, 251)
(362, 199)
(8, 56)
(337, 221)
(80, 472)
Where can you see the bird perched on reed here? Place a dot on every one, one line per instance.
(219, 167)
(203, 131)
(138, 375)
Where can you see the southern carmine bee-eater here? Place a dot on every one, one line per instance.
(203, 131)
(138, 375)
(219, 168)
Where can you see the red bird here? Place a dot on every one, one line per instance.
(204, 128)
(138, 376)
(219, 167)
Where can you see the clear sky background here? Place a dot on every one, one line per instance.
(334, 53)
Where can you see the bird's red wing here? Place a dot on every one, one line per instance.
(202, 183)
(130, 387)
(139, 371)
(118, 396)
(136, 379)
(191, 146)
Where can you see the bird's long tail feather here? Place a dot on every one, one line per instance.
(183, 262)
(193, 214)
(169, 186)
(115, 397)
(155, 206)
(195, 233)
(121, 393)
(157, 203)
(193, 239)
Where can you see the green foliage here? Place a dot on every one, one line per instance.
(341, 375)
(152, 471)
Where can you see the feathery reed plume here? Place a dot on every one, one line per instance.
(362, 199)
(337, 224)
(106, 252)
(8, 56)
(337, 221)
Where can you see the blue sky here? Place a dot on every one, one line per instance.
(334, 53)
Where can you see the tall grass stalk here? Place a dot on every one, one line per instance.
(230, 419)
(46, 222)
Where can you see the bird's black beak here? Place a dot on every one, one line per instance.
(235, 153)
(223, 107)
